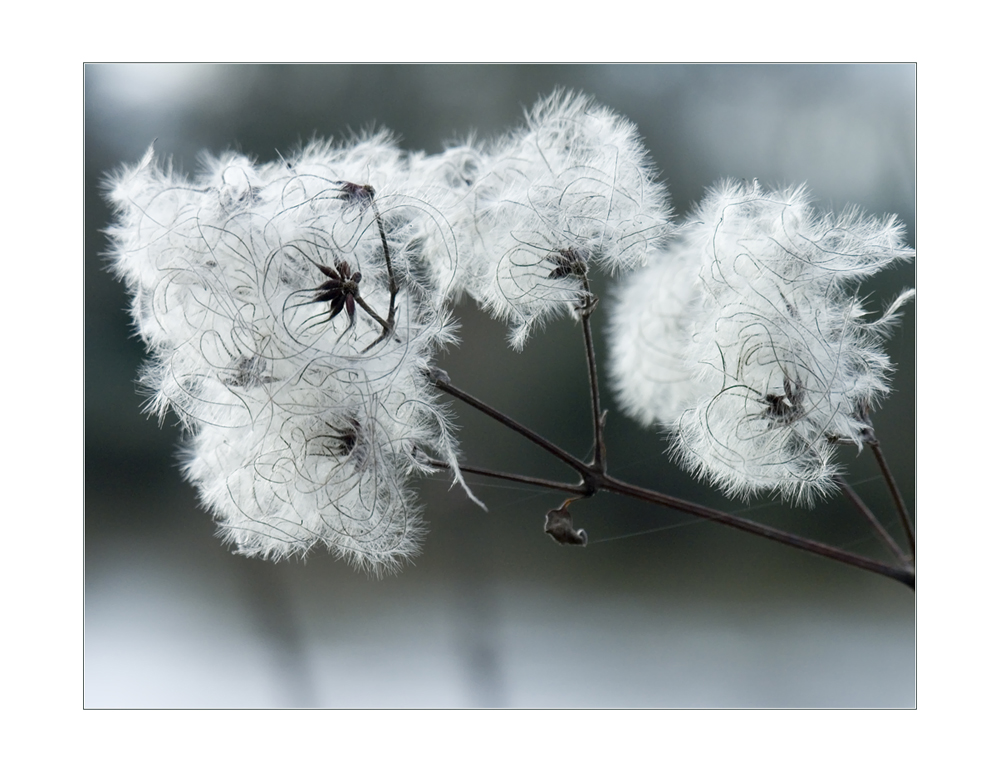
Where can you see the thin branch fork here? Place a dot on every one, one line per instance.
(876, 526)
(393, 287)
(440, 379)
(904, 575)
(386, 326)
(897, 497)
(594, 476)
(595, 479)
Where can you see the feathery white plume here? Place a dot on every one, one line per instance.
(765, 362)
(574, 188)
(252, 288)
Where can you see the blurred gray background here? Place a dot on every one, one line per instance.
(658, 611)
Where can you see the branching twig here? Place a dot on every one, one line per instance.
(904, 575)
(594, 480)
(883, 534)
(440, 379)
(386, 326)
(393, 287)
(904, 515)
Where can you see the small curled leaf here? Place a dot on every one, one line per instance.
(559, 525)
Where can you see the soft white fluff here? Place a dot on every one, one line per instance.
(746, 339)
(576, 179)
(303, 432)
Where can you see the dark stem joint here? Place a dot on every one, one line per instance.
(437, 375)
(591, 482)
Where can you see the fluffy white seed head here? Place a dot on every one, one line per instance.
(306, 418)
(768, 362)
(572, 189)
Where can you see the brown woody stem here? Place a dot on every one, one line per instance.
(595, 480)
(883, 534)
(897, 498)
(600, 463)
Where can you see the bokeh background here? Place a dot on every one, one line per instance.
(659, 610)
